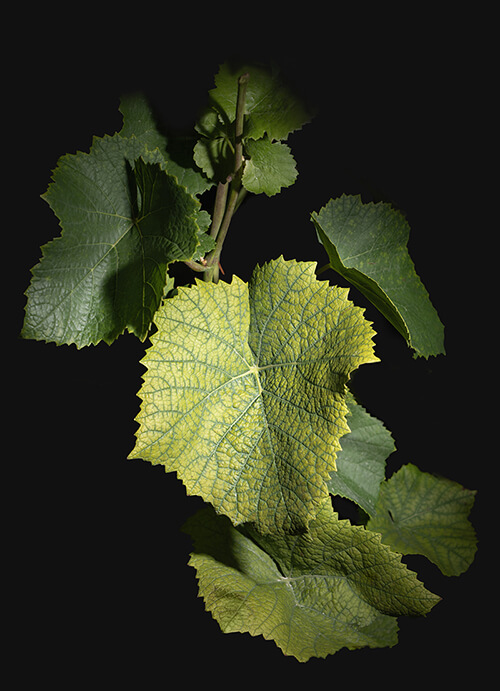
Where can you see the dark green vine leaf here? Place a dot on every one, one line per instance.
(124, 220)
(214, 150)
(271, 108)
(244, 391)
(272, 112)
(419, 513)
(139, 122)
(367, 244)
(362, 459)
(335, 586)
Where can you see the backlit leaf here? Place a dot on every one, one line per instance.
(244, 391)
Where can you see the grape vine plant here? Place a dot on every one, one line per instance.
(246, 390)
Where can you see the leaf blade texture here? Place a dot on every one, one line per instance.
(269, 167)
(362, 459)
(139, 122)
(123, 219)
(243, 394)
(313, 594)
(367, 245)
(419, 513)
(270, 106)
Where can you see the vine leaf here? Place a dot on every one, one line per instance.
(336, 586)
(270, 107)
(269, 167)
(214, 151)
(362, 459)
(271, 111)
(244, 391)
(124, 220)
(367, 245)
(140, 122)
(418, 513)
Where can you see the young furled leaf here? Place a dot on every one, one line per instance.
(124, 219)
(366, 244)
(418, 513)
(244, 391)
(335, 586)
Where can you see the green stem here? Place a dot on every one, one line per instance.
(240, 118)
(241, 196)
(323, 269)
(220, 227)
(194, 265)
(219, 206)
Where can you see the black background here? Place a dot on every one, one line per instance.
(100, 586)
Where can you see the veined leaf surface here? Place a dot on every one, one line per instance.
(139, 122)
(367, 244)
(361, 461)
(419, 513)
(270, 107)
(244, 391)
(269, 167)
(124, 219)
(336, 586)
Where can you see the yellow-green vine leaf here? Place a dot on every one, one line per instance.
(244, 391)
(367, 245)
(419, 513)
(337, 586)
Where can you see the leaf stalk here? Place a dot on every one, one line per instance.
(229, 194)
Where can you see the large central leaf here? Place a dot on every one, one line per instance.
(244, 393)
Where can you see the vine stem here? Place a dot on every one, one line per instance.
(220, 206)
(225, 200)
(323, 269)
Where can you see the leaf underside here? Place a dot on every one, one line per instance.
(336, 586)
(244, 391)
